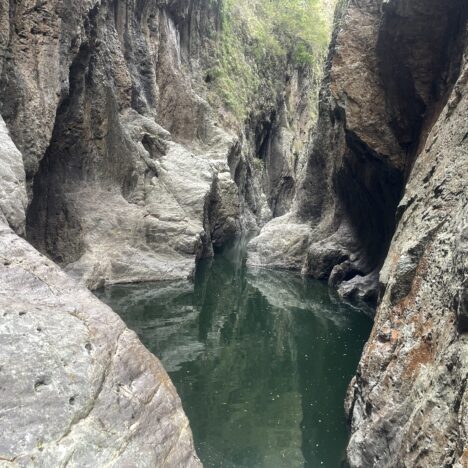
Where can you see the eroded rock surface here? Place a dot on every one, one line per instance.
(13, 200)
(131, 173)
(77, 387)
(390, 67)
(408, 402)
(114, 197)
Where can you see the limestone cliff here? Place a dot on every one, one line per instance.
(382, 215)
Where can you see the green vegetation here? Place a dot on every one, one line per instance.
(259, 37)
(258, 164)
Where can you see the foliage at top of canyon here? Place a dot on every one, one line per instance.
(256, 39)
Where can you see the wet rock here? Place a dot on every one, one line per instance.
(340, 272)
(360, 288)
(322, 258)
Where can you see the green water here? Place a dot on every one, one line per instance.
(261, 360)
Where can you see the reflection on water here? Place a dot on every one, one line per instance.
(261, 360)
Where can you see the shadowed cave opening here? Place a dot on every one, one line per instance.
(419, 52)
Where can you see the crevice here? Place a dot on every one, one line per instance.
(50, 222)
(369, 189)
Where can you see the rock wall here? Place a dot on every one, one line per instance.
(408, 402)
(78, 387)
(106, 183)
(13, 199)
(390, 69)
(381, 214)
(132, 175)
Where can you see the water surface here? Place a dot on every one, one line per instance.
(261, 360)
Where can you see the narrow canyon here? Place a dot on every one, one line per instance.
(257, 190)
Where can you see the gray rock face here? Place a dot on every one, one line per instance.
(13, 200)
(408, 402)
(371, 121)
(114, 198)
(130, 175)
(78, 387)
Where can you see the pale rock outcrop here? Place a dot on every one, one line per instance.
(157, 231)
(77, 387)
(13, 199)
(115, 197)
(286, 234)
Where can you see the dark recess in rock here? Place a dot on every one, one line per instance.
(419, 51)
(369, 189)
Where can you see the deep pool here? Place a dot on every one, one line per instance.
(261, 360)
